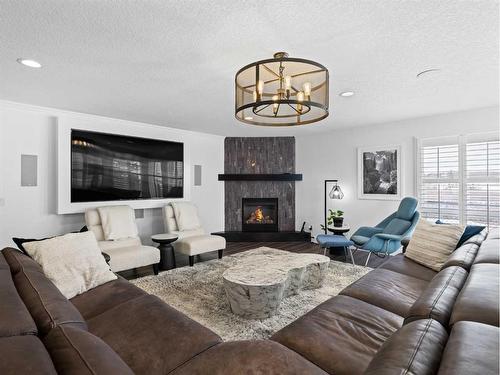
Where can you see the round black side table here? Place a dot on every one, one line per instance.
(167, 255)
(339, 230)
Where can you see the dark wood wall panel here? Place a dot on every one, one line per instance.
(259, 155)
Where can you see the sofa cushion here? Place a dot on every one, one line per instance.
(150, 336)
(24, 355)
(73, 262)
(248, 357)
(45, 302)
(463, 256)
(169, 219)
(437, 300)
(186, 215)
(105, 297)
(414, 349)
(199, 244)
(107, 246)
(399, 263)
(118, 222)
(20, 242)
(488, 252)
(389, 290)
(478, 238)
(432, 244)
(74, 351)
(479, 299)
(470, 231)
(15, 318)
(473, 348)
(341, 335)
(126, 258)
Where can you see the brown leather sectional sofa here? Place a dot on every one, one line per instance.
(399, 318)
(403, 318)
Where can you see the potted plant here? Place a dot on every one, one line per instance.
(334, 217)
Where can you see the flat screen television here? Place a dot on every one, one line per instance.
(110, 167)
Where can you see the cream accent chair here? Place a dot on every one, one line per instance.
(125, 253)
(192, 241)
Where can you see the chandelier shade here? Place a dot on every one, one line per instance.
(281, 91)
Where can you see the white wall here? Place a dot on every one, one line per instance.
(31, 211)
(333, 155)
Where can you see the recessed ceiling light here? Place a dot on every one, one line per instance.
(427, 71)
(248, 118)
(346, 94)
(29, 62)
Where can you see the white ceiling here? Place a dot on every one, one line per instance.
(173, 62)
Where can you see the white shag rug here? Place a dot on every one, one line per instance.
(199, 293)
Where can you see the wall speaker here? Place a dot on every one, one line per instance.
(197, 175)
(29, 170)
(139, 213)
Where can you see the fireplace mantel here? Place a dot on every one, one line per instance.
(260, 177)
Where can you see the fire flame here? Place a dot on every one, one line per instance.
(259, 215)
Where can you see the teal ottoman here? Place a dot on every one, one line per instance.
(328, 241)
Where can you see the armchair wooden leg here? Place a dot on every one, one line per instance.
(156, 268)
(219, 253)
(191, 260)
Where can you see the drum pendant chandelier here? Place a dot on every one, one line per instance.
(282, 91)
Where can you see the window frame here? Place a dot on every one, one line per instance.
(461, 141)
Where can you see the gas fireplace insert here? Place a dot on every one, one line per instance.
(259, 214)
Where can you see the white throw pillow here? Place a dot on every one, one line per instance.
(73, 262)
(118, 222)
(186, 215)
(432, 244)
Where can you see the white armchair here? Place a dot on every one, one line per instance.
(181, 219)
(116, 232)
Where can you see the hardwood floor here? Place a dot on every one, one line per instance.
(238, 247)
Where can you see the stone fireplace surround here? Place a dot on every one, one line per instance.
(259, 155)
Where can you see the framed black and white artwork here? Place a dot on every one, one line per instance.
(379, 173)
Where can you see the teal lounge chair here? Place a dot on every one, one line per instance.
(385, 238)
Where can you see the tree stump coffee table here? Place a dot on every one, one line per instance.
(256, 287)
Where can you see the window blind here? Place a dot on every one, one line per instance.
(482, 188)
(459, 179)
(439, 189)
